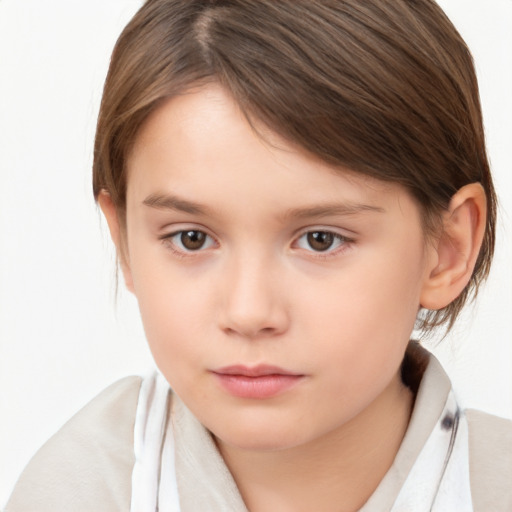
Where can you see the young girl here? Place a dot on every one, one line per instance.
(291, 187)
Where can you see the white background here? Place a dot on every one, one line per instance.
(63, 334)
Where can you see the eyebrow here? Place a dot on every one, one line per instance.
(170, 202)
(332, 210)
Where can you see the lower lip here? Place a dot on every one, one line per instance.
(264, 386)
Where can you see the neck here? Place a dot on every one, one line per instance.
(337, 472)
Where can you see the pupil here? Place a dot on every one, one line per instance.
(320, 240)
(193, 240)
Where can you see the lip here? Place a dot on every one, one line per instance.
(256, 382)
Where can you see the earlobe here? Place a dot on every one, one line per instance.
(114, 225)
(457, 248)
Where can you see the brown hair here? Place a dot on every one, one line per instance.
(385, 88)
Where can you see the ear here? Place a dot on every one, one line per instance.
(116, 233)
(456, 251)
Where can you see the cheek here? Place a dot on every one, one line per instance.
(374, 296)
(175, 308)
(363, 319)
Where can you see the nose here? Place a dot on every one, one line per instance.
(254, 300)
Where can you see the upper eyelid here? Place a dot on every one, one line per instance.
(338, 231)
(167, 234)
(336, 235)
(171, 230)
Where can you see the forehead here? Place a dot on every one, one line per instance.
(199, 145)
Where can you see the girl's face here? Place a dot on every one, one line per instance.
(278, 294)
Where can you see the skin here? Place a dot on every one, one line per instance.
(259, 292)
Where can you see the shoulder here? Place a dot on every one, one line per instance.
(87, 464)
(490, 460)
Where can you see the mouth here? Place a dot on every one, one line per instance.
(256, 382)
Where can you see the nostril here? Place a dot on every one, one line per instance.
(250, 332)
(254, 328)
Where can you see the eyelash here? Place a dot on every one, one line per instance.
(183, 251)
(343, 242)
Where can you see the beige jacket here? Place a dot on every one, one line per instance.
(87, 465)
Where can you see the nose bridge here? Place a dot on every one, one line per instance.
(253, 300)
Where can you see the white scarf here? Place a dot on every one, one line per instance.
(437, 482)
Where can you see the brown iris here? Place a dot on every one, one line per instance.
(193, 240)
(320, 240)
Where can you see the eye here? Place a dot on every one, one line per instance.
(321, 241)
(190, 240)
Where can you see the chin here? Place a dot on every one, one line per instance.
(263, 439)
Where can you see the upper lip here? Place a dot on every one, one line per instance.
(253, 371)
